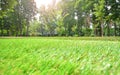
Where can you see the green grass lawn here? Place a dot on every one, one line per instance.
(60, 56)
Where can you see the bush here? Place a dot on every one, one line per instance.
(87, 32)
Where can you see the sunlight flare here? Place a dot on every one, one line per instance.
(42, 2)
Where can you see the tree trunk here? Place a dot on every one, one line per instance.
(7, 32)
(108, 29)
(1, 31)
(115, 28)
(2, 26)
(20, 29)
(27, 30)
(94, 31)
(66, 31)
(16, 33)
(119, 30)
(79, 29)
(101, 30)
(41, 30)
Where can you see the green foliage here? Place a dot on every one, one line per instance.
(87, 32)
(99, 10)
(6, 6)
(35, 28)
(16, 17)
(63, 18)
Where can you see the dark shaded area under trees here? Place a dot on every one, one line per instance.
(65, 18)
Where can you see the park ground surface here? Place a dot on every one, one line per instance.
(60, 56)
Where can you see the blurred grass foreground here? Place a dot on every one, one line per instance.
(60, 56)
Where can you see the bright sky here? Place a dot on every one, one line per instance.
(43, 2)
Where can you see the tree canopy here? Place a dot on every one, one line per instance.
(63, 18)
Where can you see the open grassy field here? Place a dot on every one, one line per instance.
(60, 56)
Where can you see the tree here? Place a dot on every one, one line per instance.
(48, 18)
(115, 15)
(28, 11)
(99, 13)
(65, 18)
(5, 7)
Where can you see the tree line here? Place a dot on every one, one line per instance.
(16, 16)
(63, 18)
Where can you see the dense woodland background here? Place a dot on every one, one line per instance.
(65, 18)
